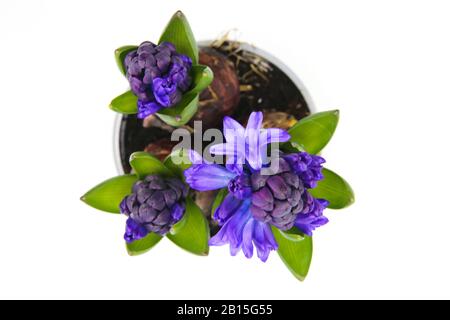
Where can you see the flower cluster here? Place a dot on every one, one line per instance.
(261, 195)
(155, 205)
(277, 199)
(158, 76)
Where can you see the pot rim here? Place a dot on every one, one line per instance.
(246, 46)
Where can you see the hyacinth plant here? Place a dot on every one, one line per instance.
(271, 207)
(165, 78)
(266, 201)
(155, 202)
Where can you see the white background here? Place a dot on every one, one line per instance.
(384, 64)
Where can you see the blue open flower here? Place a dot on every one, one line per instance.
(247, 145)
(258, 199)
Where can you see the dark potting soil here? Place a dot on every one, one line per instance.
(263, 87)
(269, 89)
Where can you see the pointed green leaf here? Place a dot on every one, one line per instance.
(194, 235)
(177, 162)
(315, 131)
(218, 200)
(182, 113)
(107, 195)
(121, 54)
(145, 164)
(125, 103)
(296, 255)
(180, 34)
(143, 245)
(334, 189)
(202, 76)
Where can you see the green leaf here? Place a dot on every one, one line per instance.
(296, 255)
(219, 199)
(315, 131)
(202, 76)
(182, 113)
(121, 54)
(143, 245)
(107, 195)
(334, 189)
(293, 234)
(194, 235)
(145, 164)
(125, 103)
(177, 162)
(180, 34)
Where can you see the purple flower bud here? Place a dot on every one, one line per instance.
(151, 62)
(138, 186)
(144, 214)
(311, 217)
(134, 231)
(260, 214)
(163, 60)
(144, 194)
(181, 77)
(156, 183)
(186, 61)
(281, 209)
(263, 199)
(166, 92)
(147, 47)
(155, 205)
(170, 197)
(134, 70)
(177, 186)
(163, 218)
(179, 72)
(308, 167)
(258, 180)
(137, 85)
(283, 166)
(157, 200)
(148, 78)
(312, 205)
(132, 203)
(276, 199)
(291, 179)
(281, 199)
(124, 208)
(129, 58)
(279, 187)
(147, 108)
(295, 198)
(169, 46)
(177, 212)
